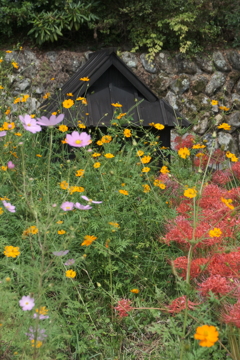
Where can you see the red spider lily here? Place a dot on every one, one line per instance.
(181, 142)
(220, 177)
(198, 266)
(217, 284)
(123, 307)
(236, 170)
(231, 314)
(179, 304)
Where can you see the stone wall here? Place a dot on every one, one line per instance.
(189, 85)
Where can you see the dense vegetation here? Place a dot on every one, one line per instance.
(147, 24)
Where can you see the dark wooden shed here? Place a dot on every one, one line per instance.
(111, 81)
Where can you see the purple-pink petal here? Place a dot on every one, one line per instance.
(3, 133)
(53, 120)
(78, 140)
(10, 165)
(69, 262)
(29, 124)
(40, 317)
(9, 206)
(90, 200)
(82, 207)
(26, 303)
(67, 206)
(60, 253)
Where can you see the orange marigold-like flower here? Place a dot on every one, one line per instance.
(70, 273)
(190, 193)
(109, 155)
(146, 159)
(116, 105)
(127, 133)
(140, 153)
(97, 165)
(164, 170)
(159, 126)
(11, 251)
(183, 152)
(146, 169)
(64, 185)
(88, 239)
(80, 172)
(224, 126)
(67, 103)
(124, 192)
(106, 139)
(63, 128)
(85, 78)
(208, 335)
(135, 291)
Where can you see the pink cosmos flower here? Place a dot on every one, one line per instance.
(3, 133)
(90, 200)
(124, 306)
(9, 206)
(67, 206)
(36, 334)
(10, 165)
(78, 140)
(53, 120)
(82, 207)
(26, 303)
(69, 262)
(40, 317)
(29, 124)
(60, 253)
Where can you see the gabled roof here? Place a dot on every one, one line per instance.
(111, 81)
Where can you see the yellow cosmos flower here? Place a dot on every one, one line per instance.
(224, 108)
(124, 192)
(214, 102)
(11, 251)
(198, 146)
(224, 126)
(64, 185)
(84, 78)
(70, 273)
(106, 139)
(159, 126)
(96, 154)
(36, 344)
(61, 232)
(1, 87)
(159, 184)
(15, 65)
(109, 155)
(99, 142)
(146, 188)
(38, 155)
(80, 172)
(116, 225)
(8, 51)
(67, 103)
(81, 126)
(183, 152)
(97, 165)
(8, 126)
(228, 203)
(127, 133)
(140, 153)
(69, 94)
(59, 222)
(164, 170)
(7, 112)
(74, 189)
(146, 169)
(47, 95)
(54, 113)
(4, 168)
(190, 193)
(135, 291)
(231, 156)
(120, 116)
(18, 134)
(216, 232)
(208, 335)
(63, 128)
(146, 159)
(88, 239)
(116, 105)
(1, 211)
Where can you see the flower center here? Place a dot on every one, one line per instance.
(28, 124)
(68, 207)
(78, 142)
